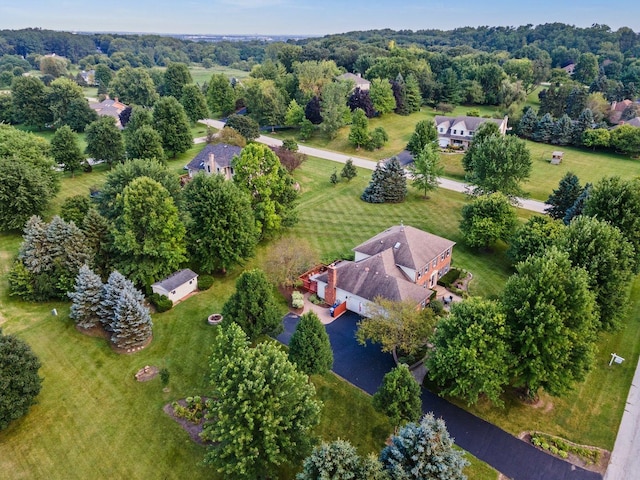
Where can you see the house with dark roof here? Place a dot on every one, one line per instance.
(459, 131)
(214, 159)
(177, 285)
(361, 83)
(109, 107)
(401, 263)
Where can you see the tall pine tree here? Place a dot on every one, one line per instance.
(563, 197)
(132, 326)
(86, 297)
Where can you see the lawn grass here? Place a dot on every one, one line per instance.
(200, 75)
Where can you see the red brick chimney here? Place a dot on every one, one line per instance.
(330, 289)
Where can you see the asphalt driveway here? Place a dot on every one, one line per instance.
(366, 366)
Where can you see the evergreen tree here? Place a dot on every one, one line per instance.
(145, 143)
(309, 347)
(97, 232)
(339, 460)
(378, 138)
(395, 182)
(132, 321)
(86, 297)
(170, 121)
(359, 134)
(562, 131)
(528, 123)
(18, 377)
(544, 129)
(111, 291)
(349, 171)
(374, 193)
(253, 306)
(65, 150)
(578, 206)
(400, 94)
(333, 178)
(75, 208)
(194, 103)
(424, 134)
(585, 122)
(413, 97)
(399, 396)
(422, 451)
(563, 197)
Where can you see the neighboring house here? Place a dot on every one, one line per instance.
(634, 122)
(616, 110)
(569, 68)
(217, 158)
(459, 131)
(177, 285)
(360, 82)
(109, 107)
(89, 76)
(401, 263)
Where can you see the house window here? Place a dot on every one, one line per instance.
(455, 132)
(435, 262)
(442, 256)
(461, 132)
(441, 130)
(448, 252)
(190, 282)
(173, 293)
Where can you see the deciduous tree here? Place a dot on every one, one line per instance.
(221, 230)
(194, 103)
(148, 236)
(382, 96)
(487, 219)
(550, 311)
(246, 126)
(534, 238)
(253, 306)
(104, 141)
(176, 76)
(287, 259)
(471, 355)
(68, 105)
(30, 102)
(264, 410)
(424, 134)
(359, 134)
(399, 396)
(19, 378)
(133, 86)
(170, 121)
(426, 168)
(220, 95)
(309, 347)
(66, 151)
(333, 107)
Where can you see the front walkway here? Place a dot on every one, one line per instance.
(365, 367)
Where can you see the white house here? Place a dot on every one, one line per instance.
(177, 285)
(459, 131)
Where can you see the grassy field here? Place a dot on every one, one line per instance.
(93, 416)
(201, 75)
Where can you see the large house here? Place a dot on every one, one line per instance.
(214, 159)
(361, 83)
(458, 131)
(401, 263)
(109, 107)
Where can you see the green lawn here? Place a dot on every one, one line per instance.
(201, 74)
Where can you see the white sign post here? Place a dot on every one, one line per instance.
(615, 358)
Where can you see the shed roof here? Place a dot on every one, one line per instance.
(176, 279)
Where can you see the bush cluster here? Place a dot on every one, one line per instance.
(561, 448)
(162, 303)
(450, 277)
(193, 411)
(297, 299)
(205, 282)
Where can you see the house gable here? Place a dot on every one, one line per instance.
(177, 285)
(214, 159)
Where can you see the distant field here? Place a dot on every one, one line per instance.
(201, 75)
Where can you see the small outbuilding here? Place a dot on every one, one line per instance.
(556, 157)
(177, 285)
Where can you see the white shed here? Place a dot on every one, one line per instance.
(177, 285)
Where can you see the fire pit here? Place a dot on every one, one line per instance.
(214, 319)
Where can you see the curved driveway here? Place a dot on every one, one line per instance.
(533, 205)
(365, 367)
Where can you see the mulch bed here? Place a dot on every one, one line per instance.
(573, 459)
(193, 429)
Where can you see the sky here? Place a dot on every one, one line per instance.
(307, 17)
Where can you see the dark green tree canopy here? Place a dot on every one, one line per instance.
(309, 347)
(486, 219)
(104, 141)
(388, 183)
(66, 151)
(534, 238)
(170, 121)
(246, 126)
(425, 133)
(221, 230)
(133, 86)
(399, 396)
(253, 306)
(145, 143)
(176, 76)
(550, 311)
(563, 197)
(19, 378)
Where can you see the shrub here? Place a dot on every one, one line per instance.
(164, 376)
(297, 299)
(205, 282)
(313, 298)
(162, 303)
(450, 277)
(445, 107)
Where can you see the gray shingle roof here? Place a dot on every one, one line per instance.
(176, 279)
(472, 123)
(222, 152)
(376, 276)
(358, 80)
(411, 247)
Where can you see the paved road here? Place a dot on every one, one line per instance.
(366, 366)
(445, 183)
(625, 461)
